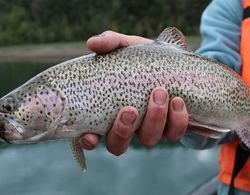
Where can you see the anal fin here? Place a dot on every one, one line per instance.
(78, 153)
(207, 130)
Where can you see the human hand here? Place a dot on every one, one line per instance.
(164, 119)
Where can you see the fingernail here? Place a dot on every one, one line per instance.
(177, 105)
(128, 118)
(159, 97)
(86, 143)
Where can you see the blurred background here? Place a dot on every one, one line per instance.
(37, 34)
(42, 21)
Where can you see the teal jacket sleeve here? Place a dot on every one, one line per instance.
(220, 31)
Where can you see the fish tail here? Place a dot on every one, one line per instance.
(244, 134)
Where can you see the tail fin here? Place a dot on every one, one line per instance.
(244, 134)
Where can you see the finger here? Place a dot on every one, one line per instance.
(155, 118)
(177, 120)
(109, 40)
(120, 135)
(89, 141)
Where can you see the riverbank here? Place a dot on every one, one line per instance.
(53, 52)
(43, 52)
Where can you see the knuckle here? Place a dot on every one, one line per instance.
(178, 119)
(124, 132)
(89, 148)
(116, 151)
(107, 32)
(175, 137)
(156, 113)
(148, 144)
(146, 139)
(176, 132)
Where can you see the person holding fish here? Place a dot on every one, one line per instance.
(225, 30)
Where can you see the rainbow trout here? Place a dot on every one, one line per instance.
(85, 94)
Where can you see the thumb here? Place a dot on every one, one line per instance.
(110, 40)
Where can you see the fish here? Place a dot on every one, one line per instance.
(84, 94)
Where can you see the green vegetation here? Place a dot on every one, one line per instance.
(57, 52)
(41, 21)
(41, 47)
(194, 41)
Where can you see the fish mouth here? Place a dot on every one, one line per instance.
(8, 131)
(3, 130)
(12, 132)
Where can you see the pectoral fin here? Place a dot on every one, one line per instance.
(207, 130)
(78, 153)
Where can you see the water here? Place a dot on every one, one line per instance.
(48, 168)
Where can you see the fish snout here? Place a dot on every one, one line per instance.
(2, 132)
(3, 129)
(8, 129)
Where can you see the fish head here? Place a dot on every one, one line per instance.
(29, 113)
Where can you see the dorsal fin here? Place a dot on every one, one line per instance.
(173, 36)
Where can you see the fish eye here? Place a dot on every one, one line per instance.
(8, 105)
